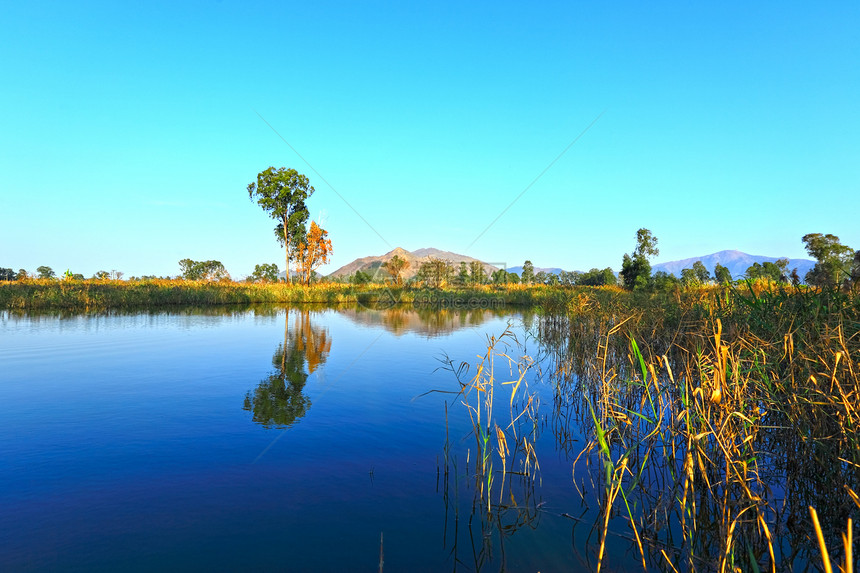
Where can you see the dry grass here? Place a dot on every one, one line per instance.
(734, 413)
(105, 294)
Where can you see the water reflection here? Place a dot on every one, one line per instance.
(278, 400)
(430, 321)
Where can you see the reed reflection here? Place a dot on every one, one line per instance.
(278, 400)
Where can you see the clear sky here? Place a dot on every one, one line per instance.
(128, 134)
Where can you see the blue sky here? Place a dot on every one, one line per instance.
(128, 134)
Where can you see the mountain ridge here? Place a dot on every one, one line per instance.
(414, 259)
(736, 261)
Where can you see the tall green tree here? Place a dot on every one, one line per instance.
(282, 193)
(834, 260)
(527, 277)
(688, 277)
(7, 275)
(722, 274)
(477, 274)
(635, 268)
(702, 273)
(463, 275)
(646, 244)
(855, 269)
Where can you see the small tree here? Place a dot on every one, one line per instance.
(477, 274)
(775, 272)
(395, 266)
(314, 251)
(665, 281)
(360, 278)
(283, 192)
(267, 273)
(635, 268)
(436, 273)
(45, 272)
(101, 275)
(463, 274)
(203, 270)
(499, 277)
(7, 275)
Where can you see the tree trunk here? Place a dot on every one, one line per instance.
(287, 249)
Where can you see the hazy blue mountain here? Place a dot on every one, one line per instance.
(736, 261)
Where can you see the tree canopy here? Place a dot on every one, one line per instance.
(435, 273)
(722, 274)
(527, 276)
(477, 274)
(395, 266)
(45, 272)
(265, 273)
(313, 251)
(776, 272)
(203, 270)
(282, 193)
(834, 260)
(635, 268)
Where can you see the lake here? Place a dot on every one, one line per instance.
(263, 438)
(270, 438)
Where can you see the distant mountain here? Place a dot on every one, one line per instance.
(548, 270)
(736, 261)
(414, 259)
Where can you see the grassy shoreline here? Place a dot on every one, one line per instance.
(103, 295)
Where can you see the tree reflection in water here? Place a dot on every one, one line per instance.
(278, 400)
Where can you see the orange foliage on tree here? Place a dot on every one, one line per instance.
(314, 250)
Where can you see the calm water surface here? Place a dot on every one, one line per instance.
(260, 439)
